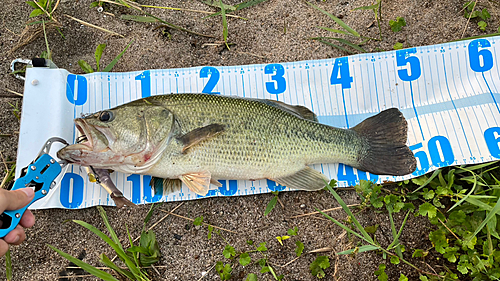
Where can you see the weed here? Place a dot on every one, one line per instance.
(470, 12)
(299, 249)
(16, 111)
(376, 8)
(98, 54)
(272, 203)
(43, 7)
(317, 266)
(135, 257)
(370, 193)
(10, 175)
(461, 203)
(8, 266)
(398, 24)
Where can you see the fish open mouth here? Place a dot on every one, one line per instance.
(84, 138)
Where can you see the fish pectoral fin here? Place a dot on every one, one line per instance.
(305, 179)
(197, 182)
(200, 134)
(215, 182)
(165, 186)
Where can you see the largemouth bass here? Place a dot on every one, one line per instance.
(200, 138)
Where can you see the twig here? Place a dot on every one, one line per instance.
(160, 20)
(321, 250)
(4, 163)
(187, 10)
(122, 267)
(431, 268)
(156, 270)
(281, 203)
(468, 20)
(55, 7)
(290, 261)
(45, 11)
(210, 269)
(95, 26)
(156, 223)
(14, 92)
(189, 219)
(327, 210)
(448, 229)
(335, 267)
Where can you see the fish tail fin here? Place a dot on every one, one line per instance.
(387, 152)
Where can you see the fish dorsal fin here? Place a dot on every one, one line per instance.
(165, 186)
(200, 134)
(305, 179)
(297, 110)
(197, 182)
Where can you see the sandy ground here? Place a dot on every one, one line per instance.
(276, 31)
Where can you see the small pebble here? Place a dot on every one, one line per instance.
(302, 206)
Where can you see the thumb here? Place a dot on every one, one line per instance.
(13, 200)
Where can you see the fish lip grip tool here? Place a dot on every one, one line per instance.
(39, 175)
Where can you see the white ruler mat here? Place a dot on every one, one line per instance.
(449, 94)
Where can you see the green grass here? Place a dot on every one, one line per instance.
(136, 257)
(461, 202)
(98, 54)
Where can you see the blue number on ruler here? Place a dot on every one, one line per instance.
(278, 70)
(146, 189)
(145, 79)
(404, 57)
(346, 173)
(340, 73)
(475, 55)
(422, 160)
(446, 150)
(274, 187)
(76, 196)
(492, 137)
(434, 152)
(362, 175)
(228, 190)
(81, 92)
(214, 78)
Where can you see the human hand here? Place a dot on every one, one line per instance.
(13, 200)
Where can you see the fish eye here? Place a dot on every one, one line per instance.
(106, 116)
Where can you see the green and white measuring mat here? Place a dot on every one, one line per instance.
(449, 94)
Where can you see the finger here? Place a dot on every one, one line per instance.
(16, 236)
(28, 219)
(13, 200)
(4, 247)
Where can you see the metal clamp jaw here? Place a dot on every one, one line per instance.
(40, 176)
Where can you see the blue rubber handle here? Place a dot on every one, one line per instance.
(39, 176)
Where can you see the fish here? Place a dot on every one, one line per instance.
(198, 139)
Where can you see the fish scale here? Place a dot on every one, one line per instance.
(257, 140)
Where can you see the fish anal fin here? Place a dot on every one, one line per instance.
(200, 134)
(165, 186)
(197, 182)
(306, 179)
